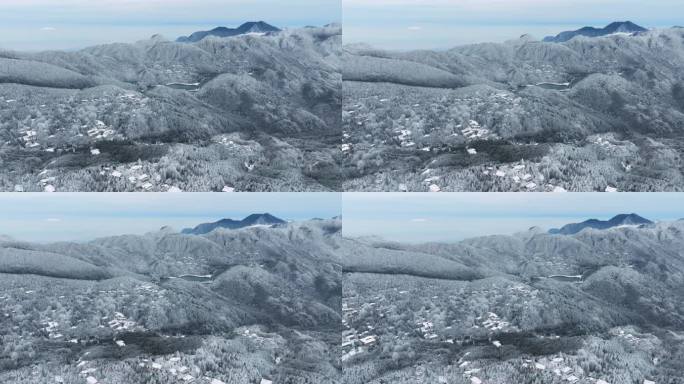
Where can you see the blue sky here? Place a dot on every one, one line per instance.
(72, 24)
(450, 217)
(442, 24)
(45, 217)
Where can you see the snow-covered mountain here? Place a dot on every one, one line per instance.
(248, 27)
(540, 301)
(631, 219)
(276, 290)
(626, 27)
(262, 219)
(576, 112)
(237, 101)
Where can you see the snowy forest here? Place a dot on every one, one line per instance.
(255, 305)
(600, 306)
(252, 112)
(588, 114)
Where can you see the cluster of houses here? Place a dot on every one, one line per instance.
(46, 182)
(86, 373)
(121, 323)
(346, 145)
(404, 137)
(627, 334)
(52, 328)
(224, 140)
(29, 138)
(95, 131)
(468, 371)
(427, 330)
(518, 174)
(606, 142)
(430, 180)
(238, 146)
(101, 131)
(134, 174)
(404, 133)
(353, 341)
(558, 365)
(173, 366)
(98, 131)
(354, 344)
(474, 131)
(492, 322)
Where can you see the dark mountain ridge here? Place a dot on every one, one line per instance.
(619, 220)
(615, 27)
(248, 27)
(251, 220)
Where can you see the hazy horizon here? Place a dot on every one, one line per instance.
(48, 217)
(452, 217)
(36, 25)
(444, 24)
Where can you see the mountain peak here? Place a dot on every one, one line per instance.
(615, 25)
(261, 219)
(260, 27)
(622, 27)
(257, 24)
(631, 219)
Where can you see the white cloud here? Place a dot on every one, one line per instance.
(48, 29)
(419, 220)
(53, 220)
(415, 28)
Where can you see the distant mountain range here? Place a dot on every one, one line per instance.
(249, 27)
(617, 27)
(617, 221)
(249, 221)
